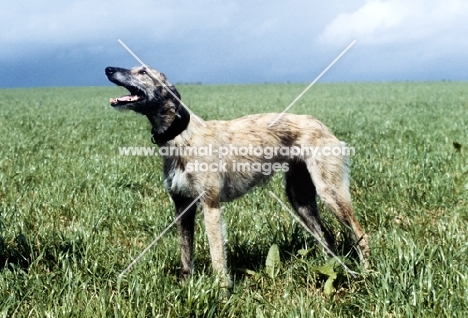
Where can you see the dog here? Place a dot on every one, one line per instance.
(230, 175)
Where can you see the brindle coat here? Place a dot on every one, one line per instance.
(306, 177)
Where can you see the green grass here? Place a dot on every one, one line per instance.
(73, 213)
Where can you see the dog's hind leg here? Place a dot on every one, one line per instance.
(186, 227)
(330, 176)
(302, 195)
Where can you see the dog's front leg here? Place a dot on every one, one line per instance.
(215, 233)
(186, 226)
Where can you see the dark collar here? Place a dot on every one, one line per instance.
(178, 125)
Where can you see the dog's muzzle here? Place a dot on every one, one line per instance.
(135, 93)
(110, 71)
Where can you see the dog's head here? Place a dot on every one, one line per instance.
(148, 88)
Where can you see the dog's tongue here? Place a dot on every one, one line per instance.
(124, 99)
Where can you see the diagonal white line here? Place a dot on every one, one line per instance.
(131, 52)
(159, 80)
(313, 82)
(352, 273)
(158, 237)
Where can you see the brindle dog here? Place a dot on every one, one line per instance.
(306, 175)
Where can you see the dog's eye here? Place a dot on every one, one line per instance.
(142, 72)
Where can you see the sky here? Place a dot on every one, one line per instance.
(69, 43)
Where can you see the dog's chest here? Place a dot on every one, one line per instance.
(176, 181)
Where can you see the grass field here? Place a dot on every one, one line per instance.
(74, 213)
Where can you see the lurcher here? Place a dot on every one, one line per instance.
(227, 175)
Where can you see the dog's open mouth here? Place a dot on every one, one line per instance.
(136, 95)
(125, 100)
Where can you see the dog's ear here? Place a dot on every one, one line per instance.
(163, 77)
(173, 90)
(164, 92)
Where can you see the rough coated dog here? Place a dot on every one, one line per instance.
(230, 175)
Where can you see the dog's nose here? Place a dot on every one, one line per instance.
(110, 70)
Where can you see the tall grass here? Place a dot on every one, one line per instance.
(73, 213)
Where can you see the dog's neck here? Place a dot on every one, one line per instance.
(179, 123)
